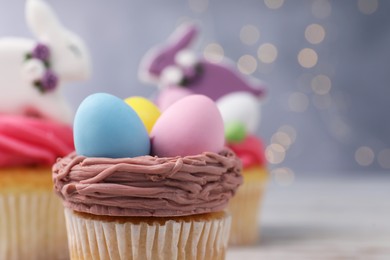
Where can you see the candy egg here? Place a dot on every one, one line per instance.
(145, 109)
(105, 126)
(240, 107)
(190, 126)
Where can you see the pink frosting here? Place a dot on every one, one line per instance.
(250, 151)
(26, 141)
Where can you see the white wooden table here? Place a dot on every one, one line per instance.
(324, 218)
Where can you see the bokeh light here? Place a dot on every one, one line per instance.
(275, 153)
(321, 9)
(249, 34)
(321, 84)
(213, 52)
(281, 138)
(247, 64)
(290, 131)
(307, 58)
(339, 128)
(364, 156)
(384, 158)
(274, 4)
(367, 6)
(283, 176)
(315, 33)
(267, 53)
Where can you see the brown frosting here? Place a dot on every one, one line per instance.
(146, 185)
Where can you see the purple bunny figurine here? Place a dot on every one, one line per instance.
(179, 72)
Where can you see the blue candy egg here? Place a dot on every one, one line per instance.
(105, 126)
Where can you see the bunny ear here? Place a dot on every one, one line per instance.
(41, 18)
(183, 36)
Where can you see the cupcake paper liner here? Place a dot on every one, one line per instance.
(244, 208)
(91, 238)
(32, 226)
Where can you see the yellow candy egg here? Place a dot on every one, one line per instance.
(146, 110)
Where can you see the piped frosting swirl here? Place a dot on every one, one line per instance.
(27, 141)
(146, 185)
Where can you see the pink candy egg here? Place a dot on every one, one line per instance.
(190, 126)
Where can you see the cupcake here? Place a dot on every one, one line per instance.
(240, 128)
(130, 194)
(179, 72)
(30, 214)
(34, 130)
(244, 207)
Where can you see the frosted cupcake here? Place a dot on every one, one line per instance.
(240, 126)
(32, 225)
(179, 72)
(34, 131)
(122, 203)
(246, 205)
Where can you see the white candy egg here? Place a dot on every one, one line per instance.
(240, 107)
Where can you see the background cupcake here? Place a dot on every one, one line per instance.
(34, 131)
(240, 125)
(122, 203)
(245, 206)
(179, 72)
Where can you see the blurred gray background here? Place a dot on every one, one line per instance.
(326, 63)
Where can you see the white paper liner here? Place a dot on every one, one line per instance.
(32, 226)
(98, 239)
(244, 208)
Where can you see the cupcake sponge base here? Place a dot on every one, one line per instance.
(202, 236)
(32, 224)
(244, 207)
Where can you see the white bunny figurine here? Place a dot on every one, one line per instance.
(31, 72)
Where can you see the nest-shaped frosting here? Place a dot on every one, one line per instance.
(146, 185)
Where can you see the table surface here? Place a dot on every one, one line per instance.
(324, 218)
